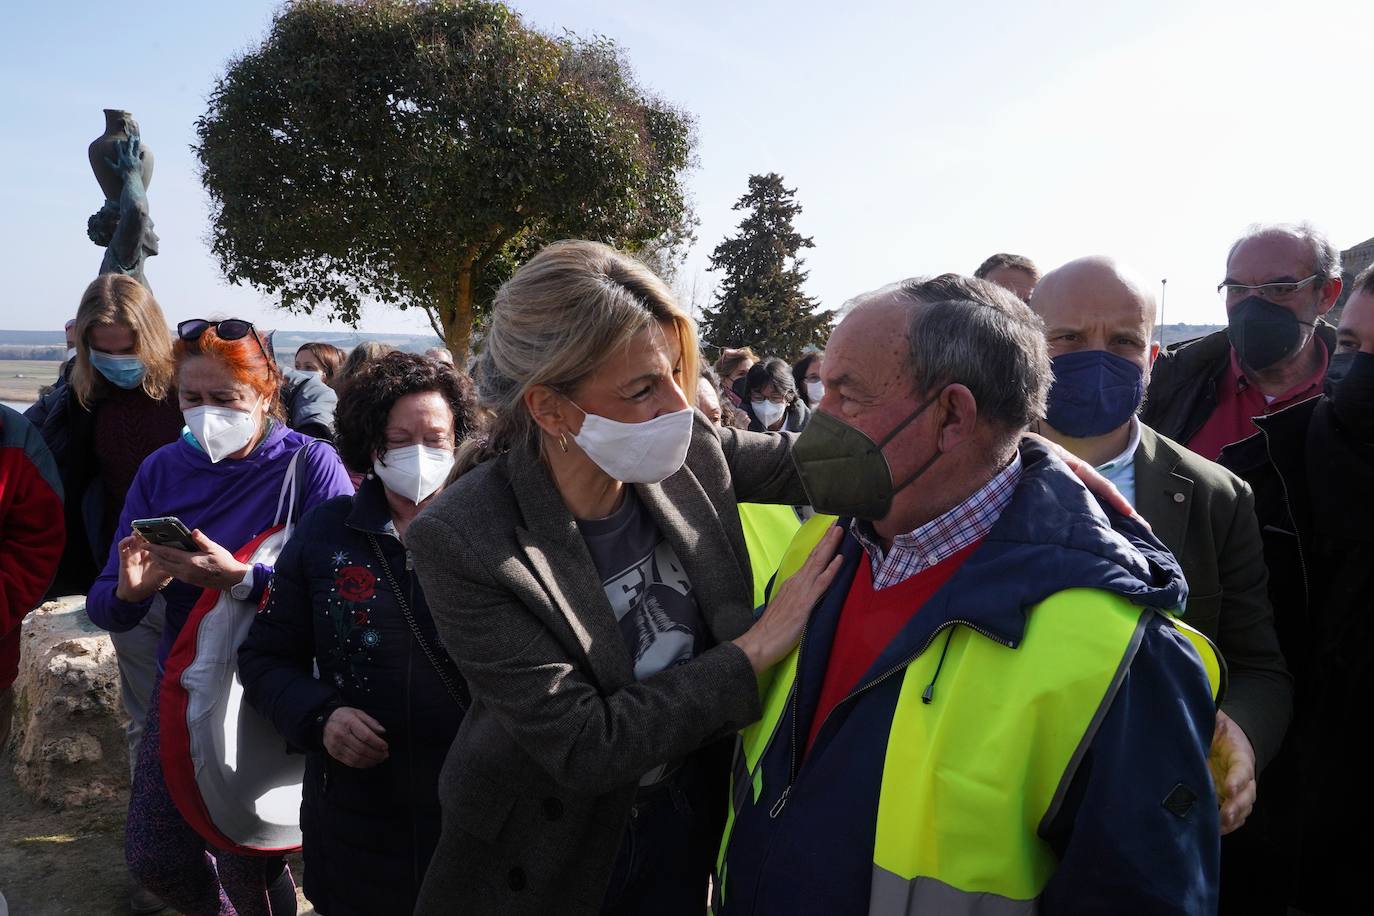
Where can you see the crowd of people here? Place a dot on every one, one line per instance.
(993, 605)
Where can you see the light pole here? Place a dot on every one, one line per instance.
(1163, 288)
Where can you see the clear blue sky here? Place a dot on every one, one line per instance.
(920, 136)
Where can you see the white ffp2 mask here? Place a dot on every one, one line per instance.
(768, 412)
(646, 452)
(221, 431)
(415, 471)
(815, 391)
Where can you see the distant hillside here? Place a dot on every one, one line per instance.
(44, 345)
(288, 342)
(1176, 332)
(49, 345)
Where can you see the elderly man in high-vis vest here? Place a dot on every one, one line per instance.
(994, 709)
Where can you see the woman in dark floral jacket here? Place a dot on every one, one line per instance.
(377, 722)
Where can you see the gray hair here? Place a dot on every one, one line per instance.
(979, 335)
(1326, 260)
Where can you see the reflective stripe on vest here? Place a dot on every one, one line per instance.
(958, 830)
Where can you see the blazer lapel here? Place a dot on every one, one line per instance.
(560, 560)
(1163, 496)
(699, 539)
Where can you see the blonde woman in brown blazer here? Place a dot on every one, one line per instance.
(588, 573)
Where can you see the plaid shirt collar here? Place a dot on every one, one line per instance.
(938, 540)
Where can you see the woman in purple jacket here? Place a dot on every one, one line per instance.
(223, 479)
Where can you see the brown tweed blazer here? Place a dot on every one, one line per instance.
(540, 780)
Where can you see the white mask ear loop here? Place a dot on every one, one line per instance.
(564, 436)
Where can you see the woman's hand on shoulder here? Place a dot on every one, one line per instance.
(211, 566)
(354, 738)
(779, 630)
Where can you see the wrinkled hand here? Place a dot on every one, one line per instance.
(1232, 762)
(354, 738)
(140, 573)
(779, 629)
(126, 158)
(1098, 485)
(210, 567)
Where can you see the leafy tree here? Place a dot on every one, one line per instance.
(414, 153)
(760, 302)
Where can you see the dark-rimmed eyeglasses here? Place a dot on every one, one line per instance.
(191, 329)
(1278, 291)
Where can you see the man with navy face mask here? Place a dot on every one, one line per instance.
(1098, 323)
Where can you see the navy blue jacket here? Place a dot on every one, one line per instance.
(1120, 849)
(368, 833)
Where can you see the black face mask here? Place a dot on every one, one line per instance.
(1263, 332)
(1350, 391)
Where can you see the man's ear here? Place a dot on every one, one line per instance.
(551, 411)
(1331, 291)
(960, 416)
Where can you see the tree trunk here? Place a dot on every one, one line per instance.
(457, 318)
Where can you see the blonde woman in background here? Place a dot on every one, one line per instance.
(588, 574)
(363, 353)
(117, 407)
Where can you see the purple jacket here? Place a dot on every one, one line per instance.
(231, 502)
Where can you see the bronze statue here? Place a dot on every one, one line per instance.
(123, 167)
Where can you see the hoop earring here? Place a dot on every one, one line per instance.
(563, 442)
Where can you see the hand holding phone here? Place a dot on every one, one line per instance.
(167, 531)
(140, 573)
(186, 555)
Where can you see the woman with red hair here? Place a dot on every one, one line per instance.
(222, 478)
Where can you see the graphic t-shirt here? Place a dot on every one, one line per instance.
(646, 585)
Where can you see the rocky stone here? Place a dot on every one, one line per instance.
(69, 744)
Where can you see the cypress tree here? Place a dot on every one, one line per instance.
(760, 303)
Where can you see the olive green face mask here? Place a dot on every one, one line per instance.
(844, 471)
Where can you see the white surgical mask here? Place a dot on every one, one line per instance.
(815, 391)
(768, 412)
(71, 353)
(645, 452)
(221, 431)
(415, 471)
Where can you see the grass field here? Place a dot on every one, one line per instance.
(20, 379)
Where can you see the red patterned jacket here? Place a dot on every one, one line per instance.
(32, 531)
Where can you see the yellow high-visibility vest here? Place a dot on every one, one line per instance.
(969, 783)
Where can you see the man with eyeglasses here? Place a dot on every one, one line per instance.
(1312, 471)
(1280, 280)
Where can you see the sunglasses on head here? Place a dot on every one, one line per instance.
(228, 329)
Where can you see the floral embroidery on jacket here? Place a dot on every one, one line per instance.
(353, 585)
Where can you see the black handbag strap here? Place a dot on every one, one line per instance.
(459, 695)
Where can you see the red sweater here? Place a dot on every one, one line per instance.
(869, 621)
(32, 531)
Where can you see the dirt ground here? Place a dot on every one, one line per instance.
(66, 863)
